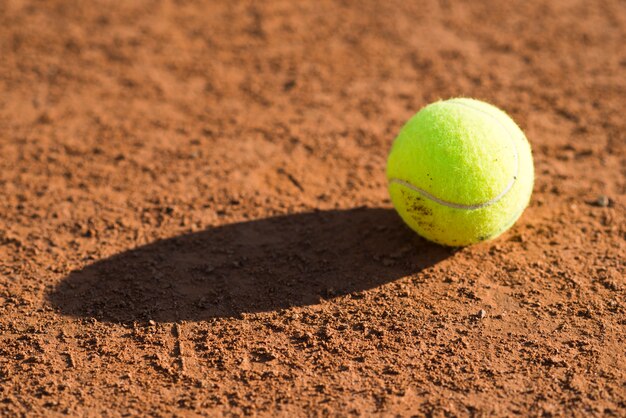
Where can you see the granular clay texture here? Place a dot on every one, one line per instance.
(194, 218)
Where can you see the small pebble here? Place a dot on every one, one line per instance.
(603, 201)
(481, 314)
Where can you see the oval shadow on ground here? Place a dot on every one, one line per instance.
(254, 266)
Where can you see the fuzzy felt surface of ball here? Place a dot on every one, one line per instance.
(460, 171)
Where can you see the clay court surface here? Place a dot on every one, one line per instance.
(194, 217)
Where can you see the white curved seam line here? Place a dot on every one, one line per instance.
(508, 187)
(452, 204)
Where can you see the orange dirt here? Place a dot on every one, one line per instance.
(194, 217)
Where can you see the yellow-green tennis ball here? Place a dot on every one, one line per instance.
(460, 172)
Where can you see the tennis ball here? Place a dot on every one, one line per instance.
(460, 172)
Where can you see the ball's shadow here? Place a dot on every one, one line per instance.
(255, 266)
